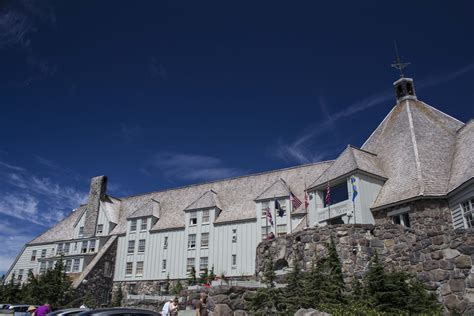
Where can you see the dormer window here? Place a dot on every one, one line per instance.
(92, 246)
(133, 225)
(337, 194)
(59, 251)
(144, 224)
(100, 228)
(81, 231)
(205, 216)
(193, 219)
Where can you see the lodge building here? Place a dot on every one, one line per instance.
(416, 169)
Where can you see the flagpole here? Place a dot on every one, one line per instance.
(274, 214)
(305, 207)
(266, 223)
(289, 215)
(329, 206)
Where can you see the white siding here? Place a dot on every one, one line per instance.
(79, 224)
(103, 220)
(368, 188)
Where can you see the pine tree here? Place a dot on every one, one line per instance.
(118, 297)
(203, 276)
(294, 288)
(333, 288)
(192, 276)
(269, 274)
(177, 288)
(167, 285)
(212, 275)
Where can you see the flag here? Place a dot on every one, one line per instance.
(354, 188)
(269, 216)
(295, 202)
(278, 208)
(328, 195)
(306, 199)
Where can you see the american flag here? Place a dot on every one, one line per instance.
(295, 202)
(328, 195)
(269, 215)
(306, 199)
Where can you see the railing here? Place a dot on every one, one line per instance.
(336, 210)
(143, 297)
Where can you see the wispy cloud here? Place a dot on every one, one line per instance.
(12, 167)
(191, 166)
(303, 149)
(21, 206)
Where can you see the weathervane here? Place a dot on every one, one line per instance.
(398, 64)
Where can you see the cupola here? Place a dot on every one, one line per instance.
(404, 89)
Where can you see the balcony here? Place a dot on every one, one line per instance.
(336, 210)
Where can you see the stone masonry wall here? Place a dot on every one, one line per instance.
(98, 284)
(97, 191)
(440, 259)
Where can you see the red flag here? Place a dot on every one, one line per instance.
(328, 195)
(295, 202)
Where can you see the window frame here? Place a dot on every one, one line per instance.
(206, 216)
(141, 247)
(467, 208)
(100, 228)
(84, 246)
(234, 261)
(43, 253)
(143, 221)
(81, 231)
(402, 219)
(92, 244)
(129, 268)
(131, 246)
(203, 264)
(165, 242)
(193, 218)
(190, 266)
(133, 226)
(33, 255)
(234, 235)
(191, 241)
(68, 265)
(163, 265)
(75, 268)
(139, 266)
(204, 246)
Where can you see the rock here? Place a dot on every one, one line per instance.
(310, 312)
(466, 249)
(237, 304)
(430, 265)
(444, 289)
(437, 255)
(439, 275)
(223, 310)
(219, 299)
(389, 243)
(462, 262)
(446, 265)
(457, 285)
(377, 243)
(452, 303)
(450, 253)
(240, 313)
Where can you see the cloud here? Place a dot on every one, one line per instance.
(12, 167)
(191, 166)
(303, 148)
(12, 242)
(130, 133)
(21, 206)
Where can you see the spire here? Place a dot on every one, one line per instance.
(404, 87)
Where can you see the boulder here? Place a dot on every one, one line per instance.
(223, 310)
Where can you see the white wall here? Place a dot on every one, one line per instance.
(368, 188)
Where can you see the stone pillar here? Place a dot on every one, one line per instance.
(96, 193)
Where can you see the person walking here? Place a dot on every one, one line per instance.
(166, 308)
(43, 309)
(174, 307)
(201, 306)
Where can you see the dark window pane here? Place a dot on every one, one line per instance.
(338, 194)
(406, 219)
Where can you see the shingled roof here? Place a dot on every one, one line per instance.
(462, 169)
(207, 200)
(350, 160)
(415, 147)
(150, 208)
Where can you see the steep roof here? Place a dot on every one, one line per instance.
(463, 163)
(150, 208)
(207, 200)
(111, 208)
(349, 160)
(415, 146)
(279, 188)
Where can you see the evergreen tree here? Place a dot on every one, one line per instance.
(167, 285)
(192, 276)
(203, 276)
(269, 274)
(177, 288)
(11, 290)
(212, 275)
(294, 288)
(333, 287)
(118, 297)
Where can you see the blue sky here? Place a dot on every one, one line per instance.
(158, 94)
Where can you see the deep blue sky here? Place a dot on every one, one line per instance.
(158, 94)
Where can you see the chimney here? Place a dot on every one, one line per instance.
(404, 89)
(96, 193)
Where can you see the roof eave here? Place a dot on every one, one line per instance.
(357, 170)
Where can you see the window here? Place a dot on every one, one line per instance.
(20, 274)
(204, 240)
(192, 241)
(401, 219)
(81, 231)
(133, 225)
(265, 208)
(203, 262)
(100, 228)
(283, 207)
(205, 216)
(281, 230)
(141, 245)
(131, 246)
(165, 243)
(189, 264)
(163, 265)
(193, 219)
(139, 268)
(338, 193)
(234, 235)
(43, 253)
(75, 266)
(60, 249)
(67, 246)
(234, 260)
(33, 255)
(92, 246)
(84, 247)
(144, 224)
(129, 268)
(42, 267)
(68, 265)
(467, 210)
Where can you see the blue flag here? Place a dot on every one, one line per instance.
(278, 208)
(354, 188)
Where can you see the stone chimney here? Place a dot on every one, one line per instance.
(96, 193)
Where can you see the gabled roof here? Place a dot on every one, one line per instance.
(415, 145)
(207, 200)
(279, 188)
(111, 207)
(462, 169)
(150, 208)
(349, 160)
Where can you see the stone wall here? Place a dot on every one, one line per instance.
(440, 259)
(98, 284)
(97, 191)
